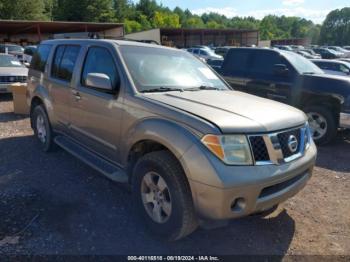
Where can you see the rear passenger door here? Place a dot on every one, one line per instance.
(96, 113)
(264, 82)
(61, 77)
(235, 68)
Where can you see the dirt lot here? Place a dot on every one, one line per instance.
(54, 204)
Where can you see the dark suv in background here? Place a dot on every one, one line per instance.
(289, 78)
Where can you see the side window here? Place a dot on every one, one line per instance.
(263, 63)
(64, 62)
(343, 69)
(196, 51)
(40, 58)
(28, 51)
(236, 62)
(99, 60)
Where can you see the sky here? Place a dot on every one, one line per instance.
(315, 10)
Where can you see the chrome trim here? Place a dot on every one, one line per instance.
(344, 120)
(274, 148)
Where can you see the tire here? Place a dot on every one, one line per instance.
(181, 220)
(42, 128)
(325, 115)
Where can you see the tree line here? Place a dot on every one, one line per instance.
(147, 14)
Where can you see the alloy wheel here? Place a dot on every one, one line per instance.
(318, 125)
(41, 128)
(156, 197)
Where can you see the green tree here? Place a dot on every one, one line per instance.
(336, 28)
(22, 10)
(131, 26)
(194, 22)
(85, 10)
(165, 20)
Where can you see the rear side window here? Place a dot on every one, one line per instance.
(64, 62)
(99, 60)
(236, 62)
(263, 63)
(40, 58)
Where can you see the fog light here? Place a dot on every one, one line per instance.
(238, 204)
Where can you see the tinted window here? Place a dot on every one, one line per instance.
(40, 58)
(263, 63)
(64, 62)
(99, 60)
(57, 61)
(236, 62)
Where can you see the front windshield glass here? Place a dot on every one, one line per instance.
(9, 61)
(301, 64)
(152, 68)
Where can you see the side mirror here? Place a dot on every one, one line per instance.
(98, 80)
(280, 70)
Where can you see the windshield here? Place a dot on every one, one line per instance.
(164, 68)
(301, 64)
(9, 61)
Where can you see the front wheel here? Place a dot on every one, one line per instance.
(162, 196)
(322, 124)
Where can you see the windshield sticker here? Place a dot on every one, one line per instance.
(207, 73)
(16, 63)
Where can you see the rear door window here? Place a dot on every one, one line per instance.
(64, 62)
(40, 58)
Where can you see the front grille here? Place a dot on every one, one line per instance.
(259, 148)
(13, 79)
(283, 139)
(275, 148)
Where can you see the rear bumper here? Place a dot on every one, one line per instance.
(247, 190)
(344, 120)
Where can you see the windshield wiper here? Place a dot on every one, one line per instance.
(161, 89)
(202, 87)
(309, 73)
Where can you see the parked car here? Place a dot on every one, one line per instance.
(28, 53)
(163, 122)
(15, 50)
(311, 52)
(340, 50)
(334, 67)
(306, 54)
(327, 53)
(215, 64)
(289, 78)
(204, 53)
(284, 47)
(11, 71)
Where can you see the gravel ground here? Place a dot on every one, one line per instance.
(54, 204)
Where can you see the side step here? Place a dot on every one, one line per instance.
(113, 172)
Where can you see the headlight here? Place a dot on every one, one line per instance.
(231, 149)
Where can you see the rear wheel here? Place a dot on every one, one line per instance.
(42, 128)
(322, 124)
(162, 196)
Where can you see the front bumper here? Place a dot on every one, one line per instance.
(223, 192)
(344, 120)
(5, 88)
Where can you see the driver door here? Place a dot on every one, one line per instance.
(96, 113)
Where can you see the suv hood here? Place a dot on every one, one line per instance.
(233, 111)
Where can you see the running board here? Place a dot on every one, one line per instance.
(111, 171)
